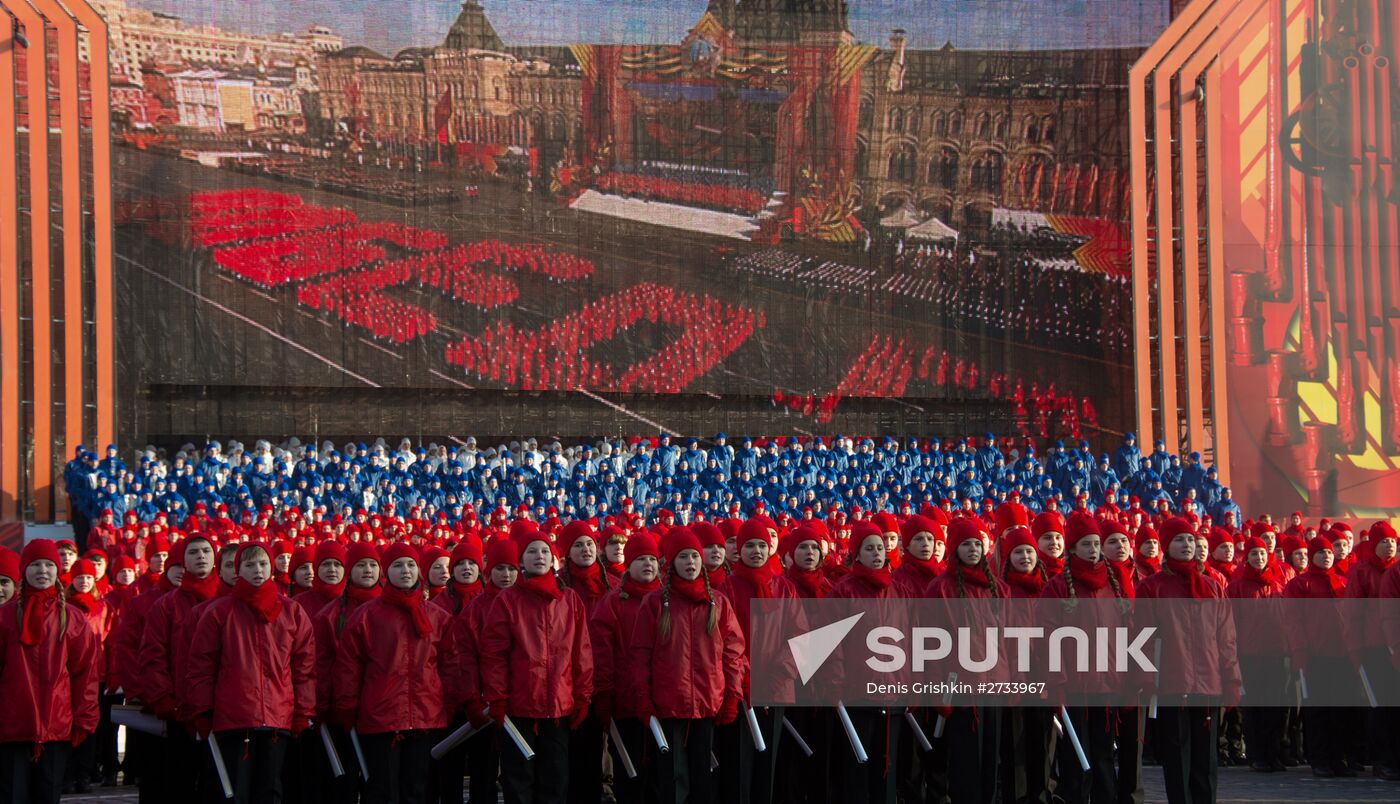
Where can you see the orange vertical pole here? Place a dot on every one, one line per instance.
(70, 166)
(41, 340)
(1215, 210)
(104, 359)
(11, 450)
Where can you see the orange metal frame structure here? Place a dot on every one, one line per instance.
(35, 441)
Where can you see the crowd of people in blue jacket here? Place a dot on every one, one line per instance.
(688, 477)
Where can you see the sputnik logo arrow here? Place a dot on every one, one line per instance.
(811, 650)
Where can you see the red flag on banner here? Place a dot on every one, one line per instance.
(442, 115)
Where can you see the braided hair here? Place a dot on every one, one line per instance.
(62, 606)
(664, 624)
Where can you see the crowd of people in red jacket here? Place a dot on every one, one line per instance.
(717, 196)
(281, 643)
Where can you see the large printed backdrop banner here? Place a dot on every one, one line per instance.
(801, 203)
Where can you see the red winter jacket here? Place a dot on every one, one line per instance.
(462, 675)
(854, 586)
(1390, 618)
(326, 628)
(163, 659)
(536, 658)
(49, 689)
(1259, 607)
(610, 632)
(910, 579)
(126, 644)
(249, 672)
(1364, 629)
(1210, 642)
(741, 593)
(688, 674)
(1320, 633)
(388, 675)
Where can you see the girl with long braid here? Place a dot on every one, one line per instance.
(1025, 740)
(1048, 528)
(327, 626)
(713, 551)
(48, 678)
(1118, 554)
(686, 655)
(584, 574)
(971, 732)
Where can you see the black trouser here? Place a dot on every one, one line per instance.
(82, 762)
(586, 762)
(174, 765)
(333, 789)
(744, 775)
(81, 526)
(1025, 754)
(301, 777)
(1383, 721)
(1324, 733)
(1132, 722)
(683, 774)
(804, 779)
(973, 739)
(873, 781)
(253, 759)
(106, 736)
(922, 776)
(1095, 727)
(544, 779)
(29, 779)
(398, 766)
(484, 764)
(1264, 726)
(1185, 740)
(641, 749)
(445, 779)
(142, 752)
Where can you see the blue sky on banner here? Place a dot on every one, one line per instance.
(389, 25)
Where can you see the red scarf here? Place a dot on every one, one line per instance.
(1152, 565)
(694, 591)
(973, 575)
(616, 570)
(1123, 571)
(1379, 564)
(466, 591)
(636, 590)
(284, 579)
(434, 591)
(927, 568)
(411, 601)
(328, 591)
(86, 601)
(1226, 568)
(588, 581)
(878, 578)
(1336, 582)
(262, 599)
(717, 576)
(1029, 582)
(201, 589)
(759, 578)
(1268, 576)
(1052, 565)
(545, 585)
(1191, 571)
(809, 581)
(1093, 576)
(36, 606)
(362, 594)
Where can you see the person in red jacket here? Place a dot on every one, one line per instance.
(82, 594)
(303, 570)
(537, 624)
(971, 734)
(1375, 558)
(712, 543)
(464, 678)
(48, 680)
(466, 576)
(614, 554)
(686, 659)
(923, 544)
(583, 573)
(800, 550)
(1025, 761)
(742, 770)
(142, 750)
(389, 680)
(445, 784)
(251, 678)
(328, 584)
(1261, 651)
(362, 586)
(1148, 558)
(870, 579)
(1049, 530)
(437, 570)
(1086, 576)
(228, 568)
(162, 663)
(614, 696)
(1319, 648)
(1185, 736)
(9, 574)
(282, 565)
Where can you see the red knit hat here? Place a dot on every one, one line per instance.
(499, 551)
(281, 547)
(1254, 543)
(886, 522)
(468, 549)
(432, 553)
(1048, 522)
(9, 564)
(1175, 527)
(83, 567)
(640, 544)
(1145, 534)
(1260, 528)
(38, 550)
(1292, 544)
(796, 536)
(358, 552)
(158, 543)
(1010, 515)
(708, 534)
(121, 562)
(1382, 530)
(1219, 536)
(1316, 545)
(396, 551)
(306, 554)
(327, 550)
(676, 540)
(1079, 525)
(917, 524)
(753, 529)
(527, 538)
(574, 531)
(963, 528)
(863, 530)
